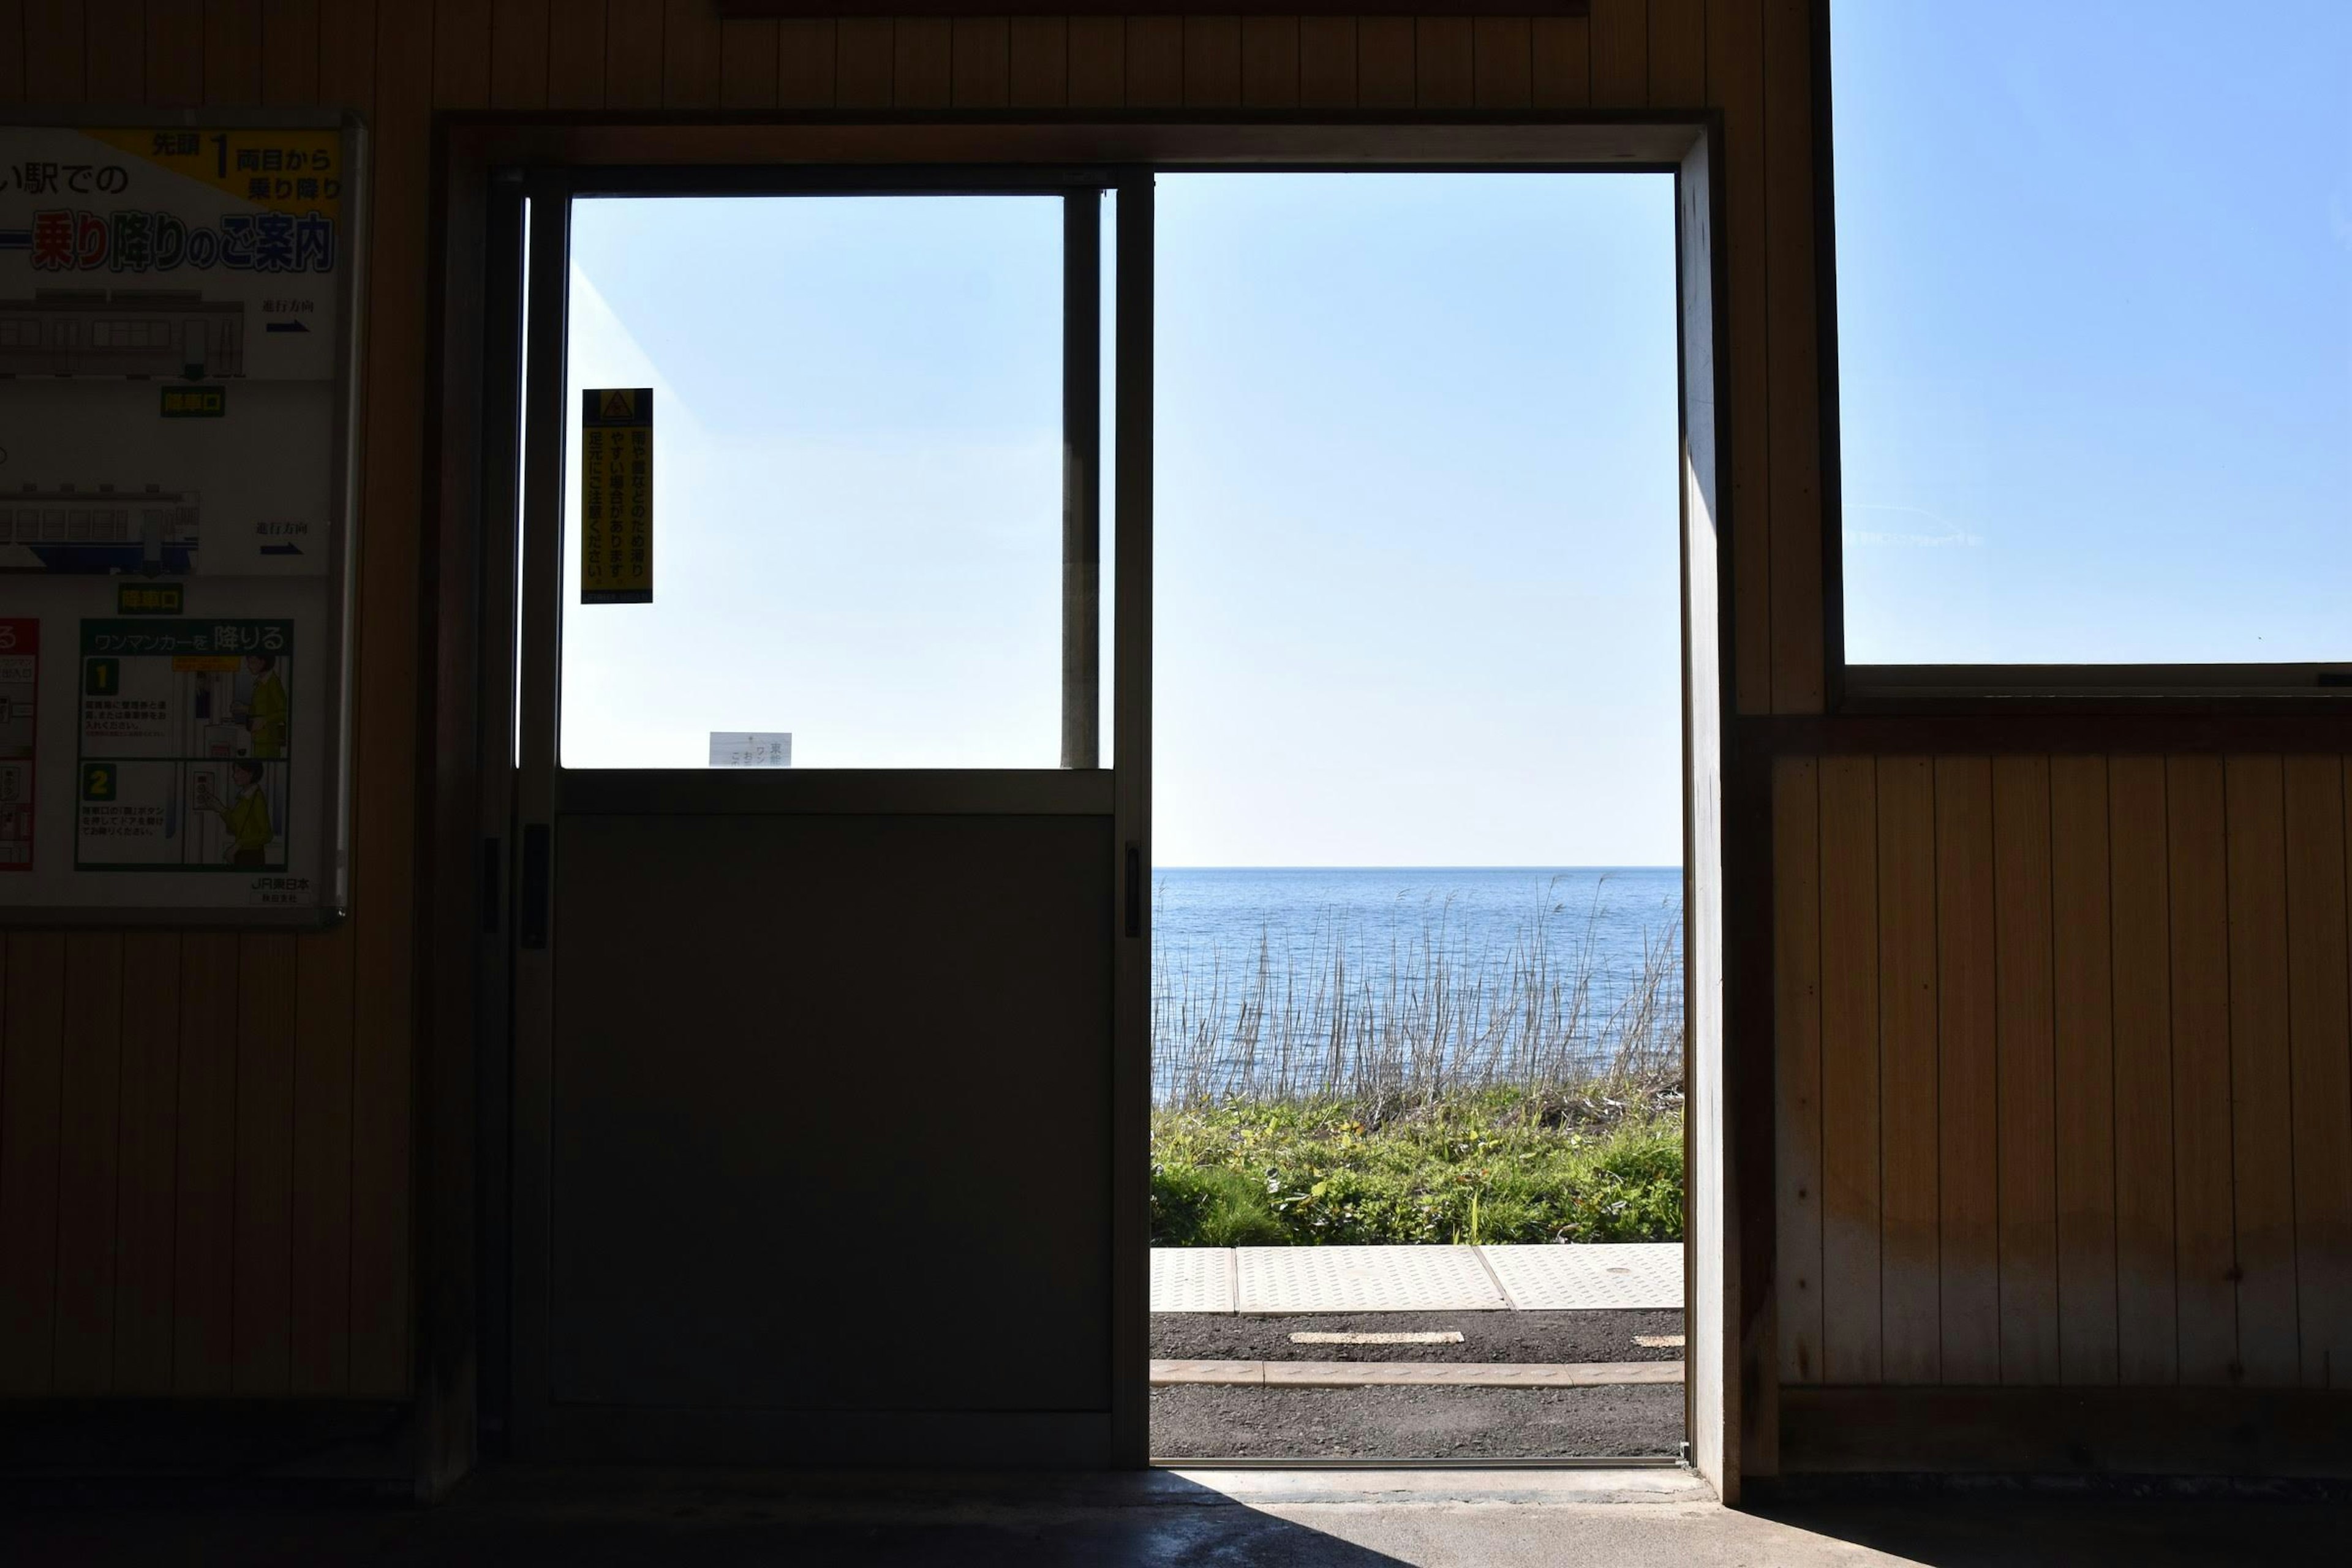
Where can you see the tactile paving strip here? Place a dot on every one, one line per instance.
(1366, 1280)
(1191, 1279)
(1590, 1276)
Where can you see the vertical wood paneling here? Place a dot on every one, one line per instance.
(806, 55)
(55, 39)
(2025, 1021)
(1797, 1041)
(114, 66)
(1677, 54)
(519, 54)
(2319, 1003)
(2203, 1245)
(462, 53)
(1794, 380)
(263, 1343)
(1852, 1319)
(1213, 62)
(2146, 1302)
(1327, 61)
(748, 53)
(1155, 62)
(320, 1294)
(290, 51)
(1910, 1282)
(922, 62)
(863, 52)
(1967, 1079)
(1621, 54)
(146, 1187)
(31, 1076)
(2261, 1074)
(1445, 63)
(1384, 62)
(1503, 60)
(175, 53)
(632, 54)
(1038, 67)
(204, 1305)
(1097, 62)
(1270, 61)
(1735, 40)
(689, 54)
(1562, 48)
(982, 66)
(233, 52)
(89, 1104)
(575, 56)
(2083, 1069)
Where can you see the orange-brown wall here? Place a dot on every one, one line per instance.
(207, 1183)
(2064, 1092)
(2065, 1071)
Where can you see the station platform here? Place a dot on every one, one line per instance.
(1599, 1277)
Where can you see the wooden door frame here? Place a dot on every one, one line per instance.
(468, 595)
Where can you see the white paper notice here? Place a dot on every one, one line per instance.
(751, 749)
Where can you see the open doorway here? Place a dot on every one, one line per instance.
(1417, 990)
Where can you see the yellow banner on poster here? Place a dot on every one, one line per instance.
(292, 170)
(617, 496)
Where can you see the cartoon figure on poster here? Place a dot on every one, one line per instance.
(247, 817)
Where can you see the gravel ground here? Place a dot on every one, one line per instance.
(1199, 1422)
(1486, 1336)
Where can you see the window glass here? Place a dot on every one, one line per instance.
(2095, 330)
(857, 481)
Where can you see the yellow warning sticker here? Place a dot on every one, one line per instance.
(295, 172)
(617, 496)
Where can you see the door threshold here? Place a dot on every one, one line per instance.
(1331, 1462)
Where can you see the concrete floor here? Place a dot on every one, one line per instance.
(1561, 1519)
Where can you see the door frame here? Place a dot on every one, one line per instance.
(465, 990)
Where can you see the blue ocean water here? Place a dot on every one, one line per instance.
(1287, 980)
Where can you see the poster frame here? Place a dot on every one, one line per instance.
(331, 832)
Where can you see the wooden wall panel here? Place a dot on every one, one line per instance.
(2119, 1008)
(1796, 1029)
(2319, 957)
(2082, 1074)
(2198, 853)
(2025, 1022)
(1911, 1275)
(2262, 1121)
(1853, 1314)
(1968, 1182)
(2147, 1305)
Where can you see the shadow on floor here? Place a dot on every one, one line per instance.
(516, 1519)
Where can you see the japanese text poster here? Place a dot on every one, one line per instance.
(175, 376)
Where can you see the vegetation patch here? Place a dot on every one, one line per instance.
(1470, 1166)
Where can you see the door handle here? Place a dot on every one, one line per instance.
(532, 921)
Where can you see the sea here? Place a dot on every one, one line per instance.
(1531, 969)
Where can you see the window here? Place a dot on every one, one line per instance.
(2094, 330)
(857, 481)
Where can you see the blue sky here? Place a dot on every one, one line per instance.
(2094, 279)
(1416, 443)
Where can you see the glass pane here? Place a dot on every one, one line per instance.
(2094, 315)
(857, 481)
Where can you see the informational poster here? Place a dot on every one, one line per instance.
(617, 496)
(176, 374)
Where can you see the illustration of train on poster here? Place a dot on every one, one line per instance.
(176, 374)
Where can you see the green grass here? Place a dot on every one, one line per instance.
(1476, 1166)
